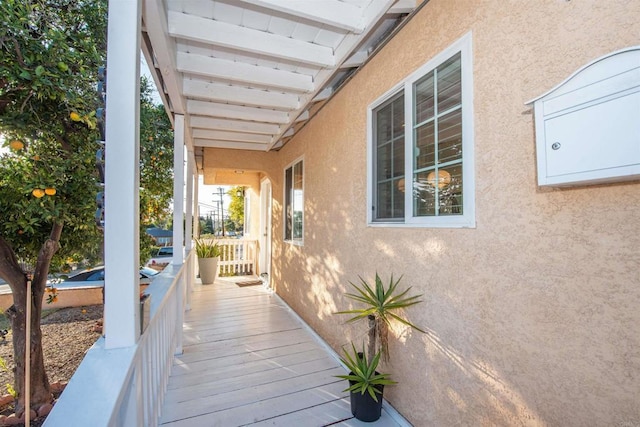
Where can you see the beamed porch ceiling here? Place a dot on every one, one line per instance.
(247, 74)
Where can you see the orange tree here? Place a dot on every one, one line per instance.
(50, 52)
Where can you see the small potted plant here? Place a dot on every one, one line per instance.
(208, 256)
(366, 385)
(380, 305)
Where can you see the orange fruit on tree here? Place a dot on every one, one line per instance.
(74, 116)
(16, 145)
(50, 191)
(38, 192)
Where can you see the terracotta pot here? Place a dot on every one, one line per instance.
(208, 270)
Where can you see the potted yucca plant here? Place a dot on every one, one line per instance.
(366, 384)
(380, 305)
(208, 256)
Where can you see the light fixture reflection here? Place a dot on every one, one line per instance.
(444, 178)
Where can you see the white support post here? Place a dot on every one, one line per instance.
(178, 190)
(188, 231)
(196, 209)
(122, 176)
(192, 219)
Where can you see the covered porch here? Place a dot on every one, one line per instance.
(248, 359)
(244, 77)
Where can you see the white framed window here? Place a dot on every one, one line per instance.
(294, 202)
(420, 146)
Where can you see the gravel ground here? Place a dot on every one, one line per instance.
(67, 335)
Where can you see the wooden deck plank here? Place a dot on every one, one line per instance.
(260, 410)
(330, 412)
(244, 344)
(276, 386)
(248, 361)
(240, 379)
(262, 384)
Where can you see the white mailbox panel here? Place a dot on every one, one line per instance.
(588, 127)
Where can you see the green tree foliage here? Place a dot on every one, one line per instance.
(156, 172)
(156, 158)
(50, 51)
(236, 208)
(206, 225)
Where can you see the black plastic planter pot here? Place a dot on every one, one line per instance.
(364, 408)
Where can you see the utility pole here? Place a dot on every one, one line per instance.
(221, 192)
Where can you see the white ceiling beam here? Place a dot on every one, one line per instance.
(231, 136)
(164, 50)
(238, 112)
(252, 75)
(355, 60)
(403, 6)
(230, 144)
(288, 133)
(199, 122)
(302, 117)
(372, 14)
(337, 14)
(323, 94)
(239, 95)
(231, 36)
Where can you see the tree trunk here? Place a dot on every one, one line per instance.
(39, 383)
(373, 333)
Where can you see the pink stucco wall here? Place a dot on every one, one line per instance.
(532, 316)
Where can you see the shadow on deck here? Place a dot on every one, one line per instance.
(248, 360)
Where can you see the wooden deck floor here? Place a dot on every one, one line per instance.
(248, 361)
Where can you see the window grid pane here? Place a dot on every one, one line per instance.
(439, 191)
(288, 177)
(424, 98)
(297, 201)
(438, 141)
(389, 160)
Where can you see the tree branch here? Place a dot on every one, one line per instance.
(10, 269)
(24, 103)
(48, 249)
(16, 46)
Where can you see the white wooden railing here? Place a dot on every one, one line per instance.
(238, 257)
(126, 386)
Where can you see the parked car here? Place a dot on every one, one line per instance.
(161, 258)
(94, 277)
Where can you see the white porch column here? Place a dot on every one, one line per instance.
(196, 209)
(122, 176)
(178, 190)
(188, 230)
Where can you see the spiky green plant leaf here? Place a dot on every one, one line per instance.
(363, 374)
(382, 303)
(207, 249)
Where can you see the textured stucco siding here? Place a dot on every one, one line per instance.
(533, 316)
